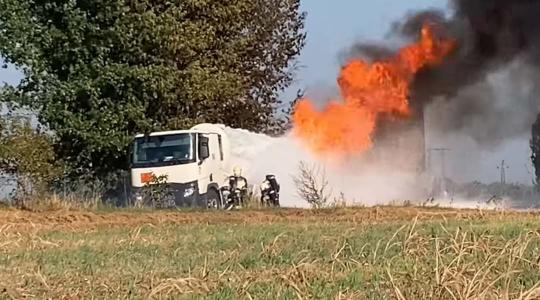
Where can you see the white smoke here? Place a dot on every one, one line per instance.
(361, 182)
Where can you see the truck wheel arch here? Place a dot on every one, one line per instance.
(213, 186)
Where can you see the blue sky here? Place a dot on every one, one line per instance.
(332, 27)
(9, 75)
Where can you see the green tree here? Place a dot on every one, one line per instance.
(535, 150)
(98, 71)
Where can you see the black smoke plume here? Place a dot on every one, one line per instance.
(490, 34)
(482, 86)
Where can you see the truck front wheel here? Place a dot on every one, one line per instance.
(213, 201)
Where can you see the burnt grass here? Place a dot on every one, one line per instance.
(364, 253)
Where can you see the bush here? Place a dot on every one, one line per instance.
(157, 194)
(27, 154)
(312, 185)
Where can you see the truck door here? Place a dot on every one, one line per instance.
(214, 159)
(209, 158)
(203, 157)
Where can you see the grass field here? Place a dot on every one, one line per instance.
(368, 253)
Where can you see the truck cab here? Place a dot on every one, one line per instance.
(192, 163)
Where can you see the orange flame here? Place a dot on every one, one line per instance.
(368, 90)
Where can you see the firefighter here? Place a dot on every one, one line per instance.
(238, 187)
(270, 191)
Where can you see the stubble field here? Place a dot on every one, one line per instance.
(364, 253)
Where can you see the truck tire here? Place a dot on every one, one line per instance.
(213, 200)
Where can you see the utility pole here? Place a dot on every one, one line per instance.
(442, 152)
(503, 167)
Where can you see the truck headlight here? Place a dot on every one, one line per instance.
(189, 192)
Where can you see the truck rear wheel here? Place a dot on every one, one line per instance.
(213, 200)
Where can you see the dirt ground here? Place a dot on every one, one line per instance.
(82, 220)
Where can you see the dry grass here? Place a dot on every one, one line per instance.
(469, 265)
(54, 202)
(383, 253)
(73, 218)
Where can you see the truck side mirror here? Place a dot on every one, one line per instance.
(204, 150)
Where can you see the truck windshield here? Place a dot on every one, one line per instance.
(163, 150)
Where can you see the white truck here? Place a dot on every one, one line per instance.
(194, 163)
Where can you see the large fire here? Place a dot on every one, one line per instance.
(368, 91)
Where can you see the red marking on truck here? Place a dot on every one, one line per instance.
(147, 177)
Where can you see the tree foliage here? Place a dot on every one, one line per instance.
(535, 150)
(98, 71)
(27, 154)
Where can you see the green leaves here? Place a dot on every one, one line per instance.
(27, 153)
(98, 72)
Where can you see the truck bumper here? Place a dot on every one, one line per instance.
(169, 195)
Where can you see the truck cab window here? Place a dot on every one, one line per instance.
(162, 150)
(204, 147)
